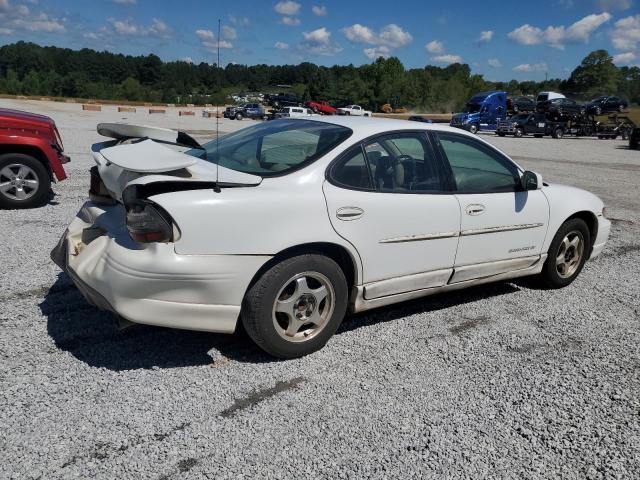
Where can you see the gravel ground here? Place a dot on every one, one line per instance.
(501, 381)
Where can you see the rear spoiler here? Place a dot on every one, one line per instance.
(125, 131)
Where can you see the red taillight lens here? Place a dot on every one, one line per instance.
(146, 223)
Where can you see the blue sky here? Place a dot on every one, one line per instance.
(501, 40)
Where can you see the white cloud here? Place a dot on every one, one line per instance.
(186, 59)
(321, 35)
(359, 34)
(527, 67)
(125, 2)
(239, 21)
(447, 58)
(434, 46)
(494, 62)
(205, 35)
(485, 36)
(228, 33)
(556, 37)
(390, 36)
(281, 46)
(607, 5)
(126, 27)
(319, 42)
(19, 17)
(319, 10)
(624, 58)
(376, 52)
(626, 34)
(291, 21)
(287, 7)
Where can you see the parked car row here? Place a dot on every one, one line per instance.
(485, 110)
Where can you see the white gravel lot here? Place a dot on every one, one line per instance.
(501, 381)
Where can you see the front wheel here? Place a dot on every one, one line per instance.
(296, 306)
(598, 110)
(473, 128)
(558, 133)
(567, 254)
(621, 108)
(24, 181)
(519, 132)
(238, 116)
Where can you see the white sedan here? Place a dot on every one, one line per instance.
(286, 225)
(354, 110)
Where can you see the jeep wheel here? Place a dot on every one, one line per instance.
(238, 116)
(519, 132)
(598, 110)
(24, 181)
(473, 128)
(296, 306)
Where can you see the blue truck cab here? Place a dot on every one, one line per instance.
(483, 111)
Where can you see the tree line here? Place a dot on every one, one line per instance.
(30, 69)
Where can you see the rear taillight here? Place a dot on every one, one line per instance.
(147, 223)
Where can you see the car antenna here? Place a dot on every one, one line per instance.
(216, 186)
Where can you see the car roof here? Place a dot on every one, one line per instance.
(367, 126)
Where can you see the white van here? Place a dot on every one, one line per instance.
(544, 96)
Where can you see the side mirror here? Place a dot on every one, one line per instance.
(531, 181)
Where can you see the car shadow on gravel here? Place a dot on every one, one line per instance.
(93, 337)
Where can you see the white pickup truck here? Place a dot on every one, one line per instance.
(355, 110)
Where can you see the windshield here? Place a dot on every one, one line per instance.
(275, 147)
(599, 99)
(543, 97)
(473, 107)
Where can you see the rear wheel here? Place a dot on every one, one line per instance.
(24, 181)
(567, 254)
(296, 306)
(621, 108)
(558, 133)
(519, 132)
(598, 110)
(238, 116)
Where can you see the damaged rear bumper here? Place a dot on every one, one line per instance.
(151, 284)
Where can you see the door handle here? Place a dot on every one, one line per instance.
(475, 209)
(349, 213)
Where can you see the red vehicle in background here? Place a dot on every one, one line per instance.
(31, 157)
(321, 107)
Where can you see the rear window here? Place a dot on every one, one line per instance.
(275, 147)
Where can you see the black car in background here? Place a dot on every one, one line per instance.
(535, 124)
(561, 107)
(282, 100)
(520, 104)
(606, 104)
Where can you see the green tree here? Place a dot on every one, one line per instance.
(596, 75)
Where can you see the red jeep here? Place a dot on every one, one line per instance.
(322, 107)
(31, 157)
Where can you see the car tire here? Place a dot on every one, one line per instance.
(473, 128)
(558, 133)
(621, 108)
(276, 306)
(314, 110)
(33, 181)
(238, 116)
(568, 253)
(598, 110)
(501, 134)
(516, 109)
(519, 133)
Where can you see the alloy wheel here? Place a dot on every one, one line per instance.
(570, 254)
(303, 306)
(18, 182)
